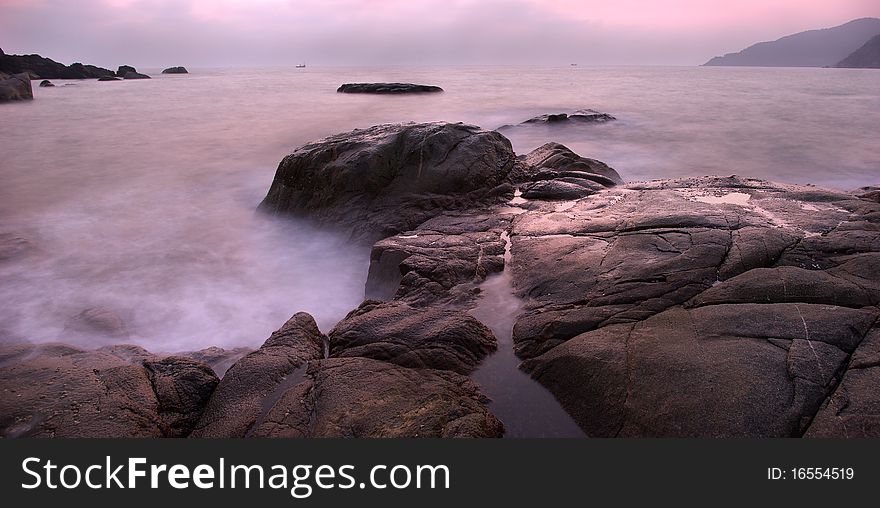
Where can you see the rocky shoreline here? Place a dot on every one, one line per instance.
(714, 306)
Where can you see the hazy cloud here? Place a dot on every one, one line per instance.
(153, 33)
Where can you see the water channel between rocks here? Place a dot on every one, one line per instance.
(526, 408)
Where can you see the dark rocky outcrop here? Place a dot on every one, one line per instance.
(581, 115)
(387, 88)
(412, 337)
(109, 78)
(44, 68)
(175, 70)
(55, 390)
(135, 75)
(124, 69)
(361, 397)
(46, 83)
(15, 88)
(389, 178)
(866, 57)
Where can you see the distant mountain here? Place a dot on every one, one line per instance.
(44, 68)
(866, 57)
(814, 48)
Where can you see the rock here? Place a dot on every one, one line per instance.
(182, 387)
(175, 70)
(361, 397)
(217, 358)
(13, 246)
(411, 337)
(871, 193)
(649, 305)
(387, 179)
(15, 88)
(44, 68)
(440, 262)
(853, 409)
(135, 75)
(387, 88)
(253, 384)
(55, 390)
(125, 69)
(554, 161)
(748, 370)
(581, 115)
(109, 78)
(97, 321)
(46, 82)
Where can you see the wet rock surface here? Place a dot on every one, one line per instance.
(411, 337)
(56, 390)
(361, 397)
(239, 398)
(390, 178)
(16, 87)
(388, 88)
(699, 307)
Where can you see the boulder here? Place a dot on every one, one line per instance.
(46, 83)
(175, 70)
(581, 115)
(362, 397)
(387, 88)
(412, 337)
(253, 383)
(56, 390)
(125, 69)
(386, 179)
(135, 75)
(16, 87)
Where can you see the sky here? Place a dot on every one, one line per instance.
(254, 33)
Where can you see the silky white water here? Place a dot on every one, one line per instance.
(139, 196)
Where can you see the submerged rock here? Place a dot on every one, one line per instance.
(16, 87)
(580, 116)
(175, 70)
(97, 321)
(390, 178)
(46, 83)
(387, 88)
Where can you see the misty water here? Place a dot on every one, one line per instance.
(139, 196)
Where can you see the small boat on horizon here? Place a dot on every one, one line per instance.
(301, 66)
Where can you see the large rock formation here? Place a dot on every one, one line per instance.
(387, 88)
(15, 88)
(390, 178)
(175, 70)
(44, 68)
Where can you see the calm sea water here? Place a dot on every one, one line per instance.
(139, 196)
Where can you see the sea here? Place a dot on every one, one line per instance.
(139, 197)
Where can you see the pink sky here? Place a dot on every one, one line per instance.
(342, 32)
